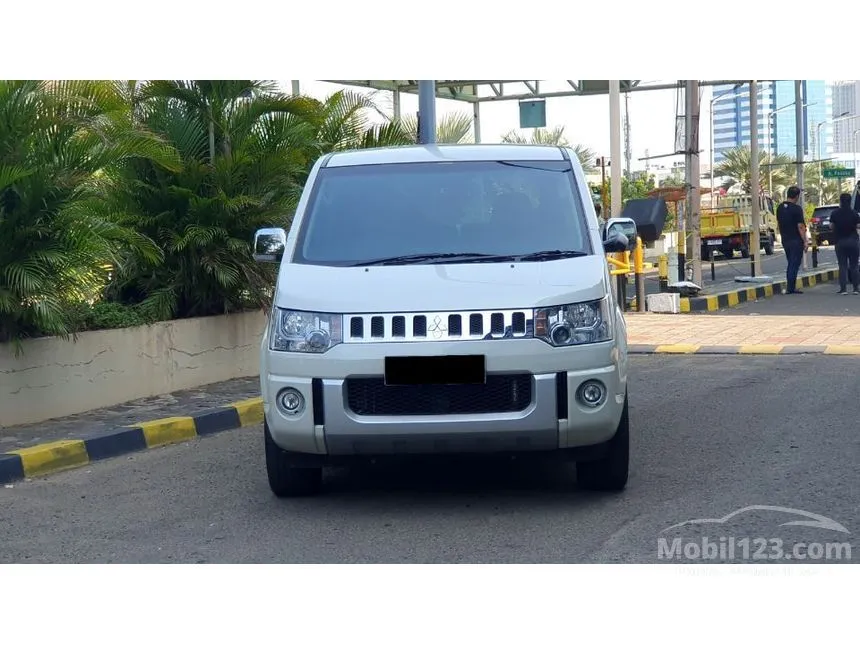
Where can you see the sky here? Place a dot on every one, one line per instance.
(585, 118)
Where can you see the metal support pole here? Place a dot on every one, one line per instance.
(711, 146)
(604, 201)
(296, 88)
(681, 243)
(820, 178)
(615, 163)
(621, 281)
(396, 101)
(688, 182)
(426, 112)
(663, 271)
(755, 185)
(798, 129)
(476, 120)
(695, 190)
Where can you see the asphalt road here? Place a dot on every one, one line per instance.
(711, 435)
(726, 270)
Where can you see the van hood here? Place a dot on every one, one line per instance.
(441, 287)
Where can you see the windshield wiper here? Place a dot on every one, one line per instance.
(424, 257)
(549, 255)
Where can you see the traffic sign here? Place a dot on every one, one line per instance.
(837, 173)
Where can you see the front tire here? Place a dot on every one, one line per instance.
(286, 479)
(610, 472)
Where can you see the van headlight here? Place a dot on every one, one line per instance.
(575, 324)
(303, 331)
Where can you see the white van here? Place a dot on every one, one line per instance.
(444, 299)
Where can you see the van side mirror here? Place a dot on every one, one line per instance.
(269, 244)
(619, 235)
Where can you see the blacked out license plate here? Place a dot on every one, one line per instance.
(436, 370)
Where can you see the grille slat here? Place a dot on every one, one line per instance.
(438, 326)
(501, 393)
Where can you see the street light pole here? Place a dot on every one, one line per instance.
(713, 100)
(854, 150)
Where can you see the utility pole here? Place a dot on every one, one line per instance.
(604, 196)
(628, 153)
(798, 121)
(688, 182)
(426, 112)
(755, 183)
(615, 146)
(694, 194)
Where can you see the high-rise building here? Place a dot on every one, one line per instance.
(776, 118)
(846, 101)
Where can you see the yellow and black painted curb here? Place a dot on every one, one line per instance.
(761, 350)
(49, 458)
(749, 294)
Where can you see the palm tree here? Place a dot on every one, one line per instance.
(451, 128)
(815, 184)
(735, 169)
(60, 144)
(245, 151)
(554, 137)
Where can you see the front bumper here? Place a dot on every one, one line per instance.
(554, 418)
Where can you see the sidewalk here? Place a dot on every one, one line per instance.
(176, 404)
(817, 321)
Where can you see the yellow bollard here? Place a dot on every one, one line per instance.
(639, 272)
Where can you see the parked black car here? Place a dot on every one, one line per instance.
(820, 224)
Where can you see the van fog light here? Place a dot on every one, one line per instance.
(290, 401)
(592, 393)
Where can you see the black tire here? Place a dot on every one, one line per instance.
(286, 479)
(610, 472)
(768, 246)
(728, 254)
(745, 252)
(706, 254)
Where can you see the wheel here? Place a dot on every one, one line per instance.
(745, 252)
(706, 254)
(609, 473)
(286, 479)
(768, 246)
(729, 254)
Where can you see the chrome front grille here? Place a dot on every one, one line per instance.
(438, 326)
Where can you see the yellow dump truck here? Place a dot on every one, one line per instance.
(727, 226)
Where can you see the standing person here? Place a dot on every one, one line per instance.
(792, 232)
(844, 221)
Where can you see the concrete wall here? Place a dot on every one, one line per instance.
(55, 378)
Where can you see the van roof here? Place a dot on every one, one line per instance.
(446, 152)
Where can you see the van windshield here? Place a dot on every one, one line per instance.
(423, 211)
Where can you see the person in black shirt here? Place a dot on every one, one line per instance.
(844, 221)
(792, 232)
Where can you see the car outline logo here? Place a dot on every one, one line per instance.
(815, 521)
